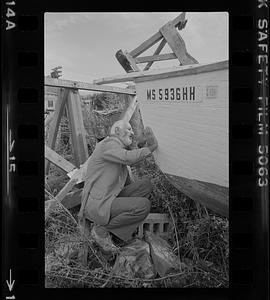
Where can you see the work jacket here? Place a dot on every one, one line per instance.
(106, 176)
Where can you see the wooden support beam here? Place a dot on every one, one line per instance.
(54, 126)
(130, 110)
(66, 189)
(146, 45)
(158, 50)
(132, 114)
(165, 73)
(177, 44)
(58, 160)
(77, 129)
(177, 22)
(191, 58)
(153, 58)
(77, 85)
(83, 251)
(132, 62)
(123, 61)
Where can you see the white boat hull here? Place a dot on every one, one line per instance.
(189, 115)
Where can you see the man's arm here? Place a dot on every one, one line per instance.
(115, 153)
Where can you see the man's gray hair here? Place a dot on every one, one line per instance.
(117, 124)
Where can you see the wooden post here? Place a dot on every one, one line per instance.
(132, 103)
(76, 127)
(83, 252)
(177, 44)
(132, 62)
(133, 115)
(55, 122)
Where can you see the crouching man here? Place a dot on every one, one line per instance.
(108, 200)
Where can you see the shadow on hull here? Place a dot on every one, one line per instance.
(210, 195)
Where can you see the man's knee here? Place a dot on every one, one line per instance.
(142, 206)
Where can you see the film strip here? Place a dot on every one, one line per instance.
(23, 155)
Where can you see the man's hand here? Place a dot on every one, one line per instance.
(141, 141)
(151, 140)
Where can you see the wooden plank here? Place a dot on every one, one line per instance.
(179, 21)
(130, 110)
(157, 36)
(153, 58)
(83, 251)
(165, 73)
(135, 120)
(78, 85)
(54, 126)
(58, 160)
(77, 129)
(132, 61)
(67, 188)
(158, 50)
(191, 58)
(176, 43)
(123, 61)
(146, 45)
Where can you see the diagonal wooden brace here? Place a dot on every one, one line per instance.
(158, 50)
(178, 22)
(58, 160)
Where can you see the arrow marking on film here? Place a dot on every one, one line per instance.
(10, 283)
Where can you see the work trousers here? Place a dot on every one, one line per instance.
(128, 210)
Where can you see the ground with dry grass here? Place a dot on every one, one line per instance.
(198, 237)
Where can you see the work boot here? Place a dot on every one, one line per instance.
(105, 242)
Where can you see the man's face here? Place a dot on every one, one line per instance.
(126, 134)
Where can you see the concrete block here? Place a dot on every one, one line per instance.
(155, 223)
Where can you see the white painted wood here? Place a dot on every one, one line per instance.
(192, 135)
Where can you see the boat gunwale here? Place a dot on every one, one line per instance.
(192, 70)
(177, 71)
